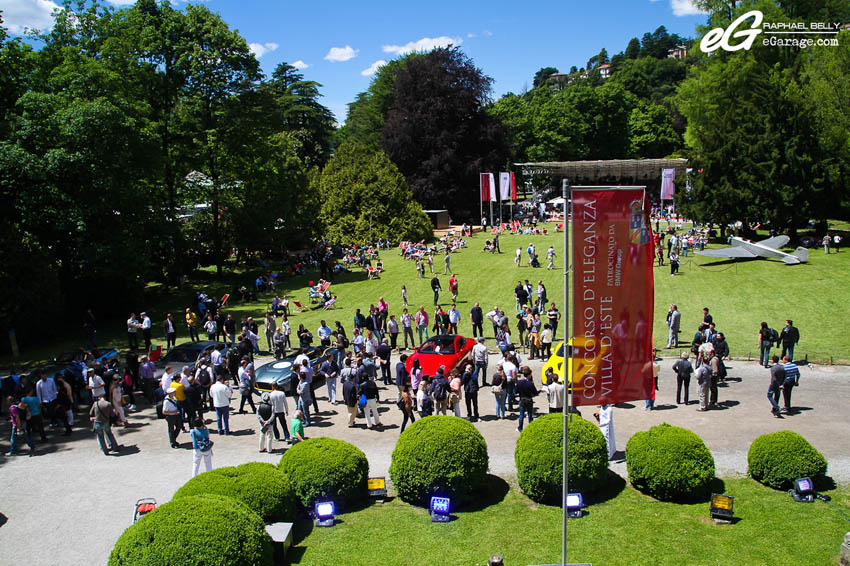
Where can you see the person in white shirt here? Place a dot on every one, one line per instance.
(518, 258)
(371, 343)
(407, 328)
(454, 319)
(211, 327)
(606, 425)
(493, 316)
(146, 330)
(555, 390)
(480, 356)
(510, 369)
(280, 408)
(165, 378)
(551, 255)
(221, 394)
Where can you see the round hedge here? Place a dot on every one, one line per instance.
(259, 486)
(778, 458)
(201, 530)
(326, 468)
(670, 463)
(439, 455)
(539, 458)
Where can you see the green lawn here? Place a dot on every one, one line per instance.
(629, 528)
(740, 295)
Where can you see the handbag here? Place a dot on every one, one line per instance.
(362, 402)
(205, 444)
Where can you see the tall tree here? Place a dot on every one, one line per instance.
(541, 76)
(364, 197)
(633, 48)
(438, 132)
(219, 68)
(296, 110)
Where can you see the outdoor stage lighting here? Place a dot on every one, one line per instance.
(720, 508)
(324, 511)
(804, 490)
(574, 505)
(440, 507)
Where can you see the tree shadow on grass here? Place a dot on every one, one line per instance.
(494, 491)
(614, 485)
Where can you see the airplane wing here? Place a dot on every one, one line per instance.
(735, 251)
(774, 242)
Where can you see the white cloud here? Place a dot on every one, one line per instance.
(488, 33)
(121, 2)
(300, 64)
(424, 44)
(339, 54)
(260, 49)
(373, 68)
(471, 35)
(685, 8)
(21, 14)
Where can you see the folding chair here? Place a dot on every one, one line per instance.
(299, 306)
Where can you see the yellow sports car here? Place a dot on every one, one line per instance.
(582, 366)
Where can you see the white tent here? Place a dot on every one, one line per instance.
(559, 201)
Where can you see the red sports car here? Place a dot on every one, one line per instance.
(448, 350)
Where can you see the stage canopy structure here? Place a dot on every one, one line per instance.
(604, 171)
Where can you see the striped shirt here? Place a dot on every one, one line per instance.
(792, 372)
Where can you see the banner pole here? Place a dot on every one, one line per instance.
(567, 367)
(480, 196)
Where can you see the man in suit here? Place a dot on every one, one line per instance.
(789, 338)
(674, 318)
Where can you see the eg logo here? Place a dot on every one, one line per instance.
(718, 37)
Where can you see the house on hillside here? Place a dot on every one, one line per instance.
(605, 70)
(679, 52)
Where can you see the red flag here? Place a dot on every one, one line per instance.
(485, 187)
(513, 186)
(613, 296)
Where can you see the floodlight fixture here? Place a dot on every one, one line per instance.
(440, 507)
(574, 504)
(324, 512)
(804, 490)
(721, 507)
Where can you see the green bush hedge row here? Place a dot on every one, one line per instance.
(439, 455)
(261, 487)
(326, 468)
(200, 530)
(778, 458)
(670, 463)
(539, 458)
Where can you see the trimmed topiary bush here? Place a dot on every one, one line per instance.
(439, 455)
(539, 458)
(326, 468)
(670, 463)
(201, 530)
(261, 487)
(778, 458)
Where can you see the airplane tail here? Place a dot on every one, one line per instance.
(802, 254)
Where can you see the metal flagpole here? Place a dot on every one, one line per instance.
(567, 364)
(480, 195)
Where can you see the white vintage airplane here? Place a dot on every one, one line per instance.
(742, 248)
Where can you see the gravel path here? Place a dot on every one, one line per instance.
(70, 503)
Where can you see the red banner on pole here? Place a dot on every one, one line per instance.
(612, 296)
(485, 186)
(513, 186)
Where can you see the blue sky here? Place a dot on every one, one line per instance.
(339, 44)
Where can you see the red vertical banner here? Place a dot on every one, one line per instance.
(612, 296)
(513, 186)
(485, 186)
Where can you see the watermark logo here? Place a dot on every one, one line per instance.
(718, 38)
(782, 34)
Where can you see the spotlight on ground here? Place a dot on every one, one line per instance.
(440, 507)
(804, 490)
(721, 506)
(574, 505)
(324, 511)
